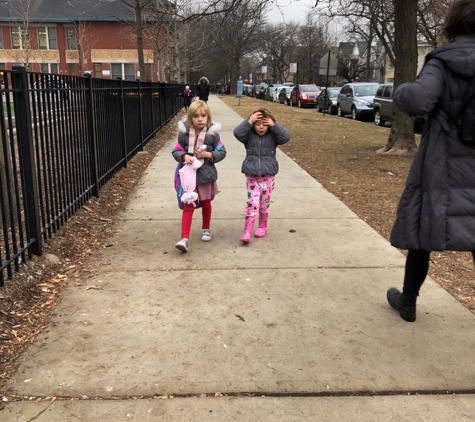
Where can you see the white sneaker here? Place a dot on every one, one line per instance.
(206, 235)
(182, 245)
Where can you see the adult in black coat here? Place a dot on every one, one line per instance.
(437, 208)
(202, 90)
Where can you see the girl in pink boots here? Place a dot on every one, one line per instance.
(261, 135)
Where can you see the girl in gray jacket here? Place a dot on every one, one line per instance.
(198, 138)
(261, 135)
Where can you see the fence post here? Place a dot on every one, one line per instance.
(91, 124)
(27, 157)
(151, 108)
(122, 122)
(140, 115)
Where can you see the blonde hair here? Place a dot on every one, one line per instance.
(265, 113)
(194, 106)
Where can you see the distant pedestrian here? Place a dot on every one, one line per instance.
(187, 98)
(199, 137)
(437, 208)
(261, 135)
(202, 90)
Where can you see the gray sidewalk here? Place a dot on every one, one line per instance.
(316, 339)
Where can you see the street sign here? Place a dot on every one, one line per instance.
(328, 64)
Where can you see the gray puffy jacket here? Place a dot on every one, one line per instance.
(260, 150)
(207, 172)
(437, 208)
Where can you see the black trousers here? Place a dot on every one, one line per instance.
(417, 266)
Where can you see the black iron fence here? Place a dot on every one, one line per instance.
(61, 139)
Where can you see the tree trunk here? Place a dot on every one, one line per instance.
(401, 138)
(138, 29)
(369, 53)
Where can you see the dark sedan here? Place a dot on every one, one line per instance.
(327, 100)
(284, 95)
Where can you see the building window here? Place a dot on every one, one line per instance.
(49, 68)
(1, 38)
(47, 38)
(124, 71)
(72, 69)
(19, 36)
(98, 70)
(71, 43)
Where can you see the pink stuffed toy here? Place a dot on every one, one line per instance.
(188, 181)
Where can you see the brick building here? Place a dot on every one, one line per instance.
(73, 37)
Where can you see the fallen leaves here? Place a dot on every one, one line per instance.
(28, 300)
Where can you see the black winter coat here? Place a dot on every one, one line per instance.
(437, 208)
(261, 150)
(202, 89)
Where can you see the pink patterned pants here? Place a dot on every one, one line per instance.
(259, 192)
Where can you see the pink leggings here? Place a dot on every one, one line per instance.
(259, 192)
(187, 217)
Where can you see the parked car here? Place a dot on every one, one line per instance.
(304, 95)
(270, 91)
(327, 100)
(357, 98)
(258, 89)
(246, 89)
(261, 91)
(284, 95)
(276, 93)
(383, 107)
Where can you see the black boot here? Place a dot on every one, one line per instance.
(404, 303)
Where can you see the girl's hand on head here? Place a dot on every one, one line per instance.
(268, 121)
(255, 117)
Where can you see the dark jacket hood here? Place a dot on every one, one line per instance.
(458, 56)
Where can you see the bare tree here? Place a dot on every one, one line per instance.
(21, 31)
(350, 68)
(178, 13)
(85, 44)
(234, 35)
(430, 15)
(401, 137)
(275, 50)
(138, 7)
(207, 8)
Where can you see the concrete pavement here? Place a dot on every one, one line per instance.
(293, 327)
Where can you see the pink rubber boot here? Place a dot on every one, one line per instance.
(262, 230)
(248, 225)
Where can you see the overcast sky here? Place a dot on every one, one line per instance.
(293, 10)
